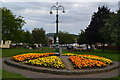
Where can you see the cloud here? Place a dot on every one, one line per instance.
(32, 22)
(34, 12)
(77, 14)
(60, 1)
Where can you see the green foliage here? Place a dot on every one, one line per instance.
(82, 39)
(97, 22)
(39, 36)
(18, 37)
(27, 37)
(11, 25)
(66, 38)
(46, 41)
(112, 29)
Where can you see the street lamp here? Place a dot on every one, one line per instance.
(57, 7)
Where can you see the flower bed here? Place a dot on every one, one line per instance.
(29, 56)
(108, 61)
(51, 61)
(80, 62)
(69, 54)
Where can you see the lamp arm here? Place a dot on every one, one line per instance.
(61, 7)
(53, 7)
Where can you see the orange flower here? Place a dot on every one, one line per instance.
(81, 62)
(29, 56)
(108, 61)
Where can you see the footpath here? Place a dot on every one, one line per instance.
(35, 75)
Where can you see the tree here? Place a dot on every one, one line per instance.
(27, 37)
(65, 38)
(111, 31)
(97, 22)
(82, 38)
(18, 37)
(38, 35)
(11, 25)
(46, 42)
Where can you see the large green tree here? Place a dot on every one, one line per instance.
(11, 25)
(97, 22)
(111, 31)
(38, 35)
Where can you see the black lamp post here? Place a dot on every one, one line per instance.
(57, 7)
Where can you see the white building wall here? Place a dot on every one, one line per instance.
(6, 44)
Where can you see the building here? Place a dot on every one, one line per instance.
(51, 41)
(5, 44)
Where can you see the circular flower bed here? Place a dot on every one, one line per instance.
(49, 60)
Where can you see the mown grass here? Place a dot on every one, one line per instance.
(9, 76)
(15, 51)
(111, 54)
(114, 78)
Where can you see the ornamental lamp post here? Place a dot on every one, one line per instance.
(57, 7)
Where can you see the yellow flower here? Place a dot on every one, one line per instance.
(51, 61)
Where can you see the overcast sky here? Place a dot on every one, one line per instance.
(77, 14)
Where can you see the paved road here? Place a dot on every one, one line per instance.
(31, 74)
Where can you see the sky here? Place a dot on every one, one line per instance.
(77, 14)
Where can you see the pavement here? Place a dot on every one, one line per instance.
(38, 75)
(66, 61)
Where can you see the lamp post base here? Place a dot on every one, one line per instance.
(57, 52)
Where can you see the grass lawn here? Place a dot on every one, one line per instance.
(114, 78)
(8, 75)
(16, 51)
(111, 54)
